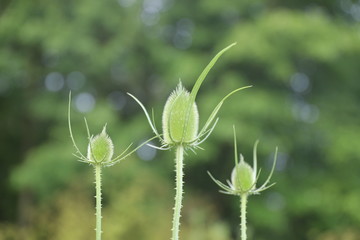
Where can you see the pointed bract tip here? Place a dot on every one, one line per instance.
(241, 158)
(104, 129)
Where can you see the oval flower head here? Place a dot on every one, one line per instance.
(177, 126)
(100, 148)
(180, 119)
(244, 177)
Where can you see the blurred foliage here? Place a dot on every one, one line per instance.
(300, 56)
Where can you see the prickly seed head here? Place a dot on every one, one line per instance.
(176, 128)
(100, 148)
(243, 177)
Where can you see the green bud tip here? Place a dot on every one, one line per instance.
(243, 177)
(100, 148)
(180, 125)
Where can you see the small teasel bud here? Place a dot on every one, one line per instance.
(243, 177)
(100, 148)
(179, 124)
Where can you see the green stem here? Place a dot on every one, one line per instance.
(179, 166)
(243, 201)
(98, 200)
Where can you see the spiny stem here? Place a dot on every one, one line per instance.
(98, 200)
(243, 200)
(179, 166)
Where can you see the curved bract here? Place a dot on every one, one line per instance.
(180, 116)
(243, 182)
(100, 148)
(244, 177)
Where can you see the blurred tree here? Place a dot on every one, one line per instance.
(301, 56)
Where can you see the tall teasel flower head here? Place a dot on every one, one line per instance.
(180, 125)
(180, 119)
(244, 177)
(100, 148)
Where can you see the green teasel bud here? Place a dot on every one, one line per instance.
(100, 148)
(180, 125)
(243, 177)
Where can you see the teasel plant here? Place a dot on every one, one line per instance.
(243, 182)
(180, 125)
(100, 151)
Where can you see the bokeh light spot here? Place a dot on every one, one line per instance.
(182, 38)
(54, 81)
(75, 80)
(305, 112)
(126, 3)
(117, 100)
(85, 102)
(299, 82)
(146, 153)
(151, 11)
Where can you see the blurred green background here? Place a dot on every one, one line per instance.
(302, 57)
